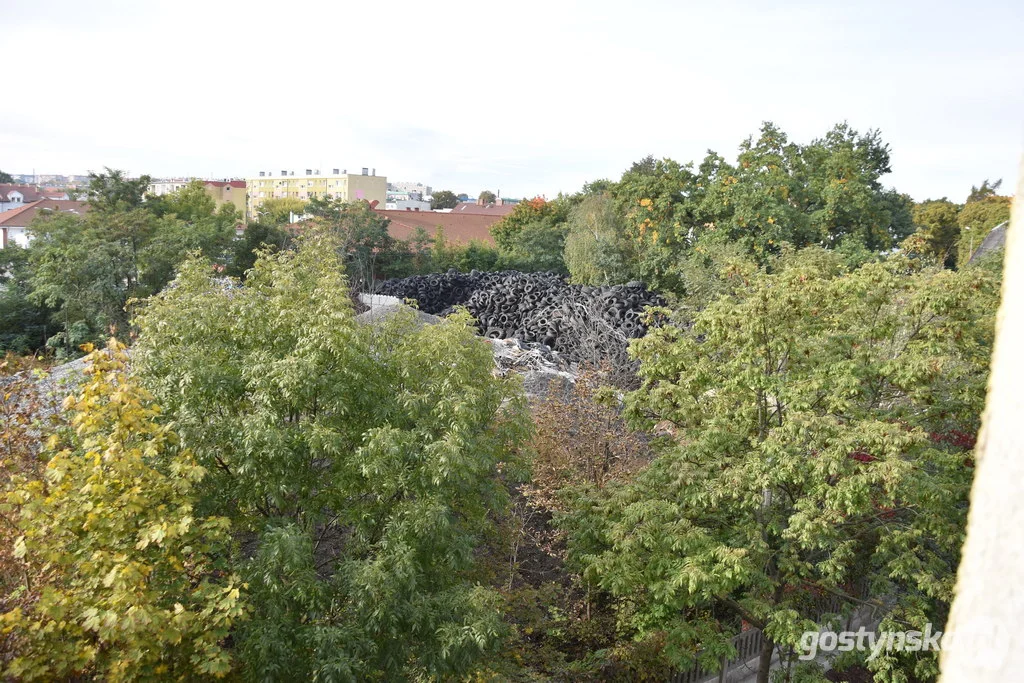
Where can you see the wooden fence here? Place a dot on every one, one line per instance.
(748, 646)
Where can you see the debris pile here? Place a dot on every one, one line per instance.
(543, 370)
(535, 307)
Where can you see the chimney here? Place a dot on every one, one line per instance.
(373, 172)
(365, 170)
(309, 171)
(335, 171)
(284, 173)
(263, 174)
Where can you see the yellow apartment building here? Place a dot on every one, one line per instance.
(339, 184)
(227, 192)
(221, 191)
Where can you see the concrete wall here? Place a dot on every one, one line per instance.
(988, 645)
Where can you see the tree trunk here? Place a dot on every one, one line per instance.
(764, 662)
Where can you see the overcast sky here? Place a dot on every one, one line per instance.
(527, 97)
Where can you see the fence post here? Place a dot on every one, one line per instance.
(721, 672)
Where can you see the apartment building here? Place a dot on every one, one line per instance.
(339, 184)
(227, 192)
(164, 186)
(221, 191)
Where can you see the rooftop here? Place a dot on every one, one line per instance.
(468, 208)
(29, 193)
(458, 228)
(23, 216)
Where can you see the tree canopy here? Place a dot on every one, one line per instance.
(362, 470)
(444, 199)
(87, 268)
(131, 579)
(818, 425)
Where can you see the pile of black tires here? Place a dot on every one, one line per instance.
(534, 307)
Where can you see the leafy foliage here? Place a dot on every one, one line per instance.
(977, 218)
(444, 199)
(24, 324)
(112, 191)
(257, 237)
(26, 410)
(88, 268)
(276, 212)
(532, 237)
(939, 228)
(362, 235)
(474, 255)
(361, 463)
(815, 427)
(596, 251)
(131, 578)
(986, 191)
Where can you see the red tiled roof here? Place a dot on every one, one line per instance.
(458, 228)
(222, 183)
(29, 193)
(23, 216)
(485, 210)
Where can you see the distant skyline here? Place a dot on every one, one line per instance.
(527, 98)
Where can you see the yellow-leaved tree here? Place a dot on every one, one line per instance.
(131, 581)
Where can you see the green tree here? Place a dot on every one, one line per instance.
(88, 268)
(361, 468)
(112, 191)
(24, 325)
(362, 236)
(596, 247)
(938, 225)
(443, 199)
(776, 193)
(6, 177)
(655, 200)
(487, 197)
(985, 191)
(419, 247)
(132, 577)
(766, 196)
(276, 211)
(190, 203)
(475, 255)
(845, 195)
(189, 221)
(80, 274)
(983, 211)
(532, 236)
(820, 426)
(257, 236)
